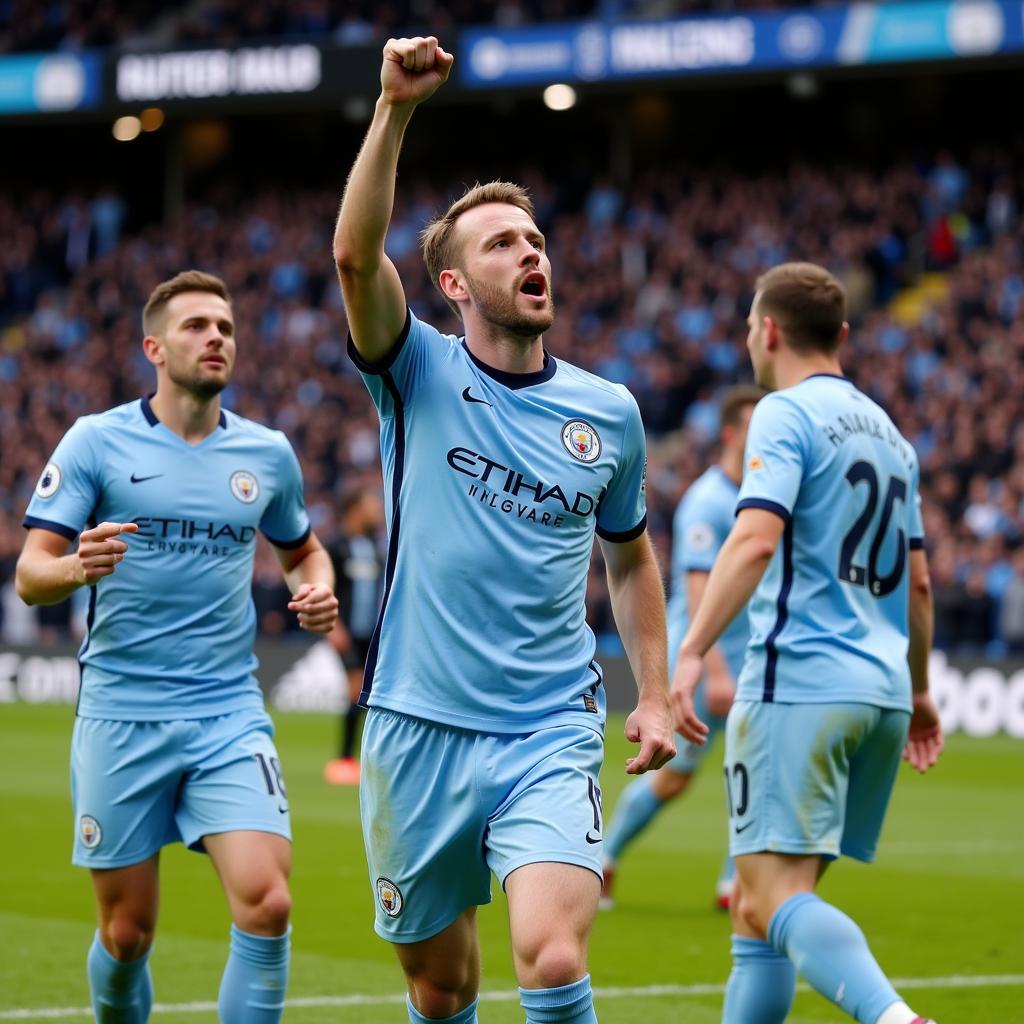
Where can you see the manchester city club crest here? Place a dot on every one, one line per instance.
(389, 896)
(581, 440)
(244, 486)
(49, 481)
(92, 834)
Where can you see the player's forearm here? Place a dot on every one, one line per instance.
(638, 604)
(47, 580)
(369, 198)
(315, 567)
(922, 628)
(738, 569)
(714, 660)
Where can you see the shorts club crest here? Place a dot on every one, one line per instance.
(389, 896)
(92, 834)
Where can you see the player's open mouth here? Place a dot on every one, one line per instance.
(535, 285)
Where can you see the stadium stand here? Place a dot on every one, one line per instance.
(73, 24)
(653, 285)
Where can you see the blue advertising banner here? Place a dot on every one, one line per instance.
(50, 83)
(859, 34)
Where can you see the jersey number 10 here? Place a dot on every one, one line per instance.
(896, 490)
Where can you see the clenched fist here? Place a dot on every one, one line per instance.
(413, 70)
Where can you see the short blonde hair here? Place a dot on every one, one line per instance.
(807, 302)
(187, 281)
(438, 237)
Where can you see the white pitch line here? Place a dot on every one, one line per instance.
(638, 992)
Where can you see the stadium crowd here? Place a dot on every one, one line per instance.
(653, 283)
(75, 24)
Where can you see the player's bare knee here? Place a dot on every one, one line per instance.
(126, 938)
(268, 913)
(554, 963)
(442, 996)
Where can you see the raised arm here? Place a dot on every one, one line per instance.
(412, 71)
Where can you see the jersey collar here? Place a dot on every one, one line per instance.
(515, 381)
(147, 411)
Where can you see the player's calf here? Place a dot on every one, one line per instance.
(121, 991)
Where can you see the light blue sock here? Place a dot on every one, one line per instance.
(830, 951)
(633, 813)
(567, 1004)
(761, 985)
(255, 979)
(122, 993)
(466, 1016)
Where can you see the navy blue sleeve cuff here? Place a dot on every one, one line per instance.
(289, 545)
(32, 523)
(916, 543)
(375, 369)
(625, 535)
(769, 506)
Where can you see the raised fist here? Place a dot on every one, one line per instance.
(413, 69)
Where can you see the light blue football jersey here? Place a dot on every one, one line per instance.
(170, 632)
(495, 485)
(829, 620)
(702, 521)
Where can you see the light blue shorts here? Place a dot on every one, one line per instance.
(137, 786)
(690, 756)
(444, 807)
(810, 778)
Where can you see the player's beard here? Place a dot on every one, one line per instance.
(195, 383)
(499, 308)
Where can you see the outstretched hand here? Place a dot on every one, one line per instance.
(100, 551)
(413, 69)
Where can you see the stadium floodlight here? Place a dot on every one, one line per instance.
(151, 119)
(127, 128)
(559, 97)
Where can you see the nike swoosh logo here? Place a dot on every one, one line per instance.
(142, 479)
(742, 828)
(591, 840)
(283, 808)
(469, 398)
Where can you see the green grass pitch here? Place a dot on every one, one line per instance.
(944, 902)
